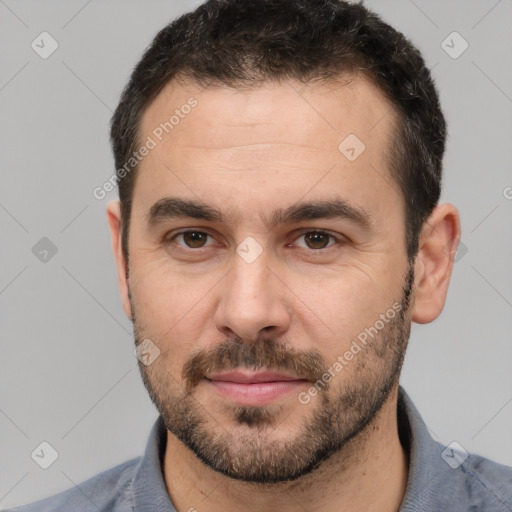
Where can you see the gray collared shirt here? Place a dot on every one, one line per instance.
(441, 478)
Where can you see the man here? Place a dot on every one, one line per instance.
(279, 166)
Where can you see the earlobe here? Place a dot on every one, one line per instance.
(114, 222)
(438, 243)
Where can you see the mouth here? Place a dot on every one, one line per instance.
(254, 388)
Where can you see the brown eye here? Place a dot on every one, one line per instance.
(193, 239)
(316, 240)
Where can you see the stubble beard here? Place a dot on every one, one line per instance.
(251, 447)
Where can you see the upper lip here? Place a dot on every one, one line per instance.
(251, 378)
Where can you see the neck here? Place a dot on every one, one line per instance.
(368, 474)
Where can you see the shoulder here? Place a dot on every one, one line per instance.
(109, 490)
(488, 483)
(468, 481)
(447, 477)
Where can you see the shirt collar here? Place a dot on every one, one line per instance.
(426, 465)
(148, 485)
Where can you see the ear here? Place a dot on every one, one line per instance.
(114, 221)
(438, 244)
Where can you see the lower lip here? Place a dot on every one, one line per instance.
(260, 393)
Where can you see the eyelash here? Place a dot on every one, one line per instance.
(337, 239)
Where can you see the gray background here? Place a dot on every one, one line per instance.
(68, 375)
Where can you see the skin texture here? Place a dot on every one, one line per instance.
(295, 308)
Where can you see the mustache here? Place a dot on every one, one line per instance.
(266, 353)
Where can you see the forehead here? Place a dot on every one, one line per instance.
(267, 138)
(315, 115)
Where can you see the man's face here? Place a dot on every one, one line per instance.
(261, 288)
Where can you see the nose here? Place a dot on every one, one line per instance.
(252, 301)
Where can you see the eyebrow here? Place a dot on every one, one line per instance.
(169, 208)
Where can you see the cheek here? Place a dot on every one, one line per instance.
(343, 305)
(346, 298)
(169, 303)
